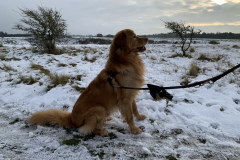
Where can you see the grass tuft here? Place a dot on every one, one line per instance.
(194, 70)
(8, 68)
(41, 68)
(204, 57)
(27, 80)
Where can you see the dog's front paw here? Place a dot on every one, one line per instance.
(136, 130)
(141, 117)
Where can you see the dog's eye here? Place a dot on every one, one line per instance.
(134, 36)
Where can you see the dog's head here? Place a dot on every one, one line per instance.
(128, 41)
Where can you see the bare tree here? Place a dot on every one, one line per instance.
(45, 24)
(184, 32)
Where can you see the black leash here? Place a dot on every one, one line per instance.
(160, 91)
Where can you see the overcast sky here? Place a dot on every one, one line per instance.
(143, 16)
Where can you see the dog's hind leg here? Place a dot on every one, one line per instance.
(93, 122)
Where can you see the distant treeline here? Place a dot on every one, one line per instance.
(218, 35)
(4, 34)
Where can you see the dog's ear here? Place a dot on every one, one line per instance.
(120, 40)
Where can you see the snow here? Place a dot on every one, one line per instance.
(199, 123)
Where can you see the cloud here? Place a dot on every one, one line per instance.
(145, 17)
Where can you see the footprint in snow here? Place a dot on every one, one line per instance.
(237, 101)
(211, 104)
(214, 125)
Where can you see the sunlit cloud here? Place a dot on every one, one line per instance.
(215, 24)
(220, 2)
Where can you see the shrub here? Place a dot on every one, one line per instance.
(235, 46)
(45, 24)
(213, 42)
(184, 32)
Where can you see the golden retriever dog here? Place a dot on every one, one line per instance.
(100, 99)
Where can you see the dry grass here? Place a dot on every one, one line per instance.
(4, 58)
(204, 57)
(194, 70)
(27, 80)
(57, 80)
(192, 50)
(41, 68)
(8, 68)
(61, 65)
(185, 81)
(180, 55)
(215, 58)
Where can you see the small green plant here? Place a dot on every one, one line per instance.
(15, 121)
(222, 109)
(112, 135)
(170, 157)
(71, 142)
(1, 45)
(100, 153)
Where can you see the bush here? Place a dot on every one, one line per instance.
(213, 42)
(235, 46)
(46, 25)
(93, 41)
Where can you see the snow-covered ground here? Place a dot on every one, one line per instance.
(199, 123)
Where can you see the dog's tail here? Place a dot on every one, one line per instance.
(51, 117)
